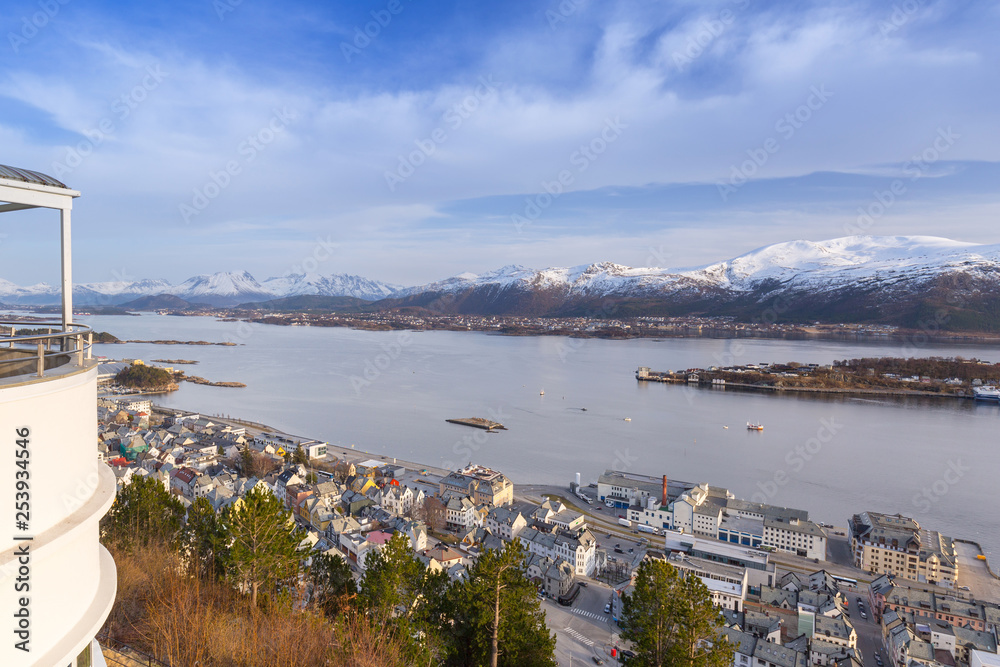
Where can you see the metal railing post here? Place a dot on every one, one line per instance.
(48, 341)
(41, 359)
(79, 349)
(90, 346)
(13, 332)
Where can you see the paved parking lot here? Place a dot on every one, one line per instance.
(973, 573)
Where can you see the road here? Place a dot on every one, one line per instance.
(583, 630)
(869, 634)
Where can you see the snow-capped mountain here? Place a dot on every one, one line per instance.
(857, 278)
(896, 279)
(338, 284)
(818, 265)
(226, 288)
(217, 289)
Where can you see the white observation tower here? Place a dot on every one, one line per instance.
(57, 582)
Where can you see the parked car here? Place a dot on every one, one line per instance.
(863, 614)
(607, 608)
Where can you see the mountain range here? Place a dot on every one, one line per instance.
(218, 289)
(916, 281)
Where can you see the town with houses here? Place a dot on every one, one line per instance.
(792, 592)
(600, 323)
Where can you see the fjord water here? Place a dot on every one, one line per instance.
(390, 393)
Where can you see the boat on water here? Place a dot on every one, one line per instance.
(628, 419)
(541, 393)
(987, 393)
(751, 426)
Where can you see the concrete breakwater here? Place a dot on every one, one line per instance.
(478, 422)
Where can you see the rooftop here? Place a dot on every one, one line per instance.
(29, 176)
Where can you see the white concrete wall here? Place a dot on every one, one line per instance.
(72, 578)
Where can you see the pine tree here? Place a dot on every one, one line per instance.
(497, 619)
(206, 539)
(264, 545)
(332, 583)
(399, 593)
(143, 513)
(670, 620)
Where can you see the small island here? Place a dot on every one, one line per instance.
(201, 380)
(146, 379)
(181, 342)
(478, 422)
(175, 361)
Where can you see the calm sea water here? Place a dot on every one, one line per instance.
(390, 392)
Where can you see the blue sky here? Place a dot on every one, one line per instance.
(463, 136)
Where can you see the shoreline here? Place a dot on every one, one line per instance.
(345, 451)
(603, 522)
(851, 332)
(894, 393)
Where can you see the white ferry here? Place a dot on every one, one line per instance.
(986, 393)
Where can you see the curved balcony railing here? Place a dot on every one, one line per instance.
(34, 353)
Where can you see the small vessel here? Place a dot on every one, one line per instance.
(541, 393)
(986, 393)
(726, 427)
(628, 419)
(751, 426)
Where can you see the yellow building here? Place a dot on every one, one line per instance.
(896, 545)
(485, 486)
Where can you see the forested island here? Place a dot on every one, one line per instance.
(941, 376)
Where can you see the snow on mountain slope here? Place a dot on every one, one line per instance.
(338, 284)
(819, 266)
(902, 262)
(218, 289)
(218, 285)
(854, 259)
